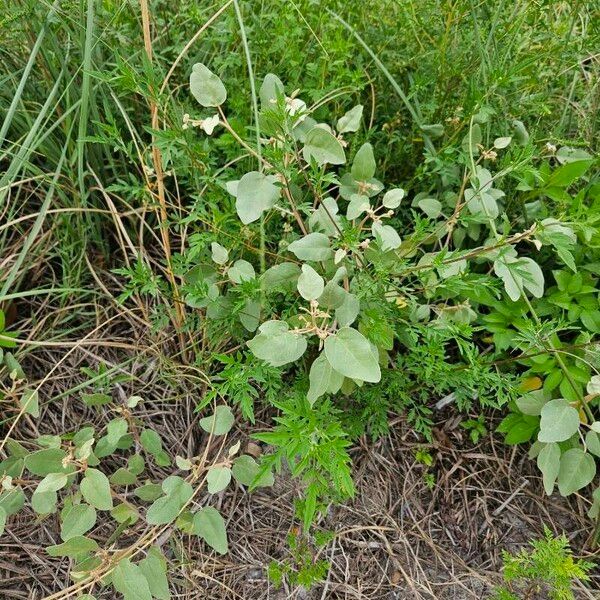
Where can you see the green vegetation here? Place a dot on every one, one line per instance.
(304, 221)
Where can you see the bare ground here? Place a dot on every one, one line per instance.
(397, 540)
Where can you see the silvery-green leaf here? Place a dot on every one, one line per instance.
(548, 462)
(125, 512)
(387, 237)
(593, 386)
(44, 502)
(392, 198)
(52, 483)
(532, 402)
(577, 469)
(559, 421)
(339, 255)
(592, 441)
(240, 271)
(281, 277)
(76, 520)
(323, 147)
(255, 193)
(270, 89)
(357, 206)
(565, 155)
(521, 133)
(481, 204)
(325, 218)
(44, 462)
(220, 255)
(2, 520)
(310, 283)
(209, 525)
(333, 295)
(346, 313)
(431, 207)
(154, 569)
(314, 246)
(276, 345)
(350, 354)
(73, 547)
(95, 488)
(217, 479)
(596, 426)
(250, 315)
(323, 379)
(434, 130)
(220, 422)
(363, 166)
(128, 579)
(350, 122)
(206, 87)
(232, 186)
(502, 142)
(245, 470)
(29, 402)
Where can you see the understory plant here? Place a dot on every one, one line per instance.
(354, 289)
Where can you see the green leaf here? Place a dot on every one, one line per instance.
(154, 568)
(270, 89)
(521, 133)
(363, 165)
(392, 198)
(314, 246)
(29, 402)
(532, 402)
(122, 477)
(219, 254)
(577, 469)
(357, 206)
(124, 512)
(246, 470)
(95, 488)
(276, 345)
(592, 442)
(12, 501)
(350, 122)
(548, 462)
(241, 271)
(502, 142)
(346, 313)
(220, 422)
(350, 354)
(387, 237)
(567, 174)
(209, 525)
(76, 520)
(2, 520)
(431, 207)
(559, 421)
(44, 462)
(52, 483)
(323, 147)
(96, 399)
(44, 503)
(434, 130)
(310, 283)
(73, 547)
(206, 87)
(281, 277)
(256, 193)
(218, 479)
(128, 579)
(148, 492)
(163, 510)
(323, 379)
